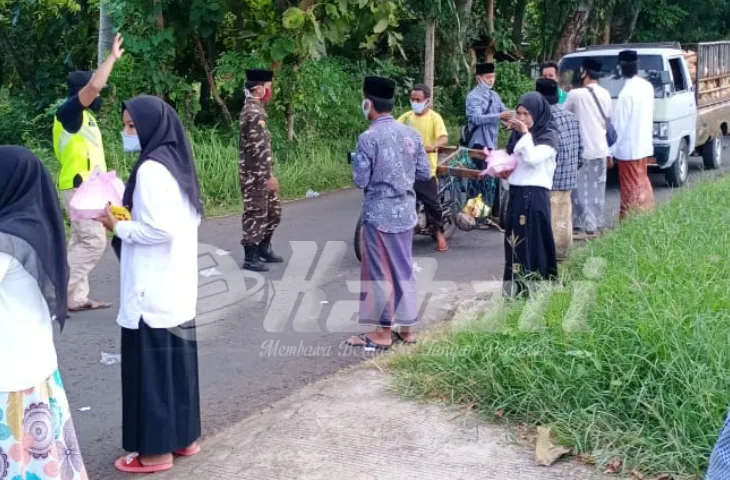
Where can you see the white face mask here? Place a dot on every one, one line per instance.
(130, 143)
(366, 106)
(419, 107)
(484, 83)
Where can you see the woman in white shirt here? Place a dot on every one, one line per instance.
(158, 252)
(37, 435)
(529, 244)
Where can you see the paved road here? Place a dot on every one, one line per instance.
(238, 376)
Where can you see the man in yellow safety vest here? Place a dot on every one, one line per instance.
(79, 149)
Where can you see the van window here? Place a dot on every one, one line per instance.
(678, 77)
(649, 68)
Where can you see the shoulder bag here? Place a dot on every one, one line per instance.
(611, 135)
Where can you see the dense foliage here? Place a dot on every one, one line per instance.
(194, 52)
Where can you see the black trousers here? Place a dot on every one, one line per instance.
(481, 165)
(428, 193)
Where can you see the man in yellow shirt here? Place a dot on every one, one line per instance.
(430, 126)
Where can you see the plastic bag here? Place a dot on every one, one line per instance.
(91, 198)
(499, 161)
(476, 207)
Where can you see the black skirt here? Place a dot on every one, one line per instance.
(529, 246)
(160, 392)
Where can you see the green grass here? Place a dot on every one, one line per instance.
(649, 381)
(309, 165)
(318, 165)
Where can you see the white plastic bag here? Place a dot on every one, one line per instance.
(91, 198)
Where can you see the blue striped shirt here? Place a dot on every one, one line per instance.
(389, 158)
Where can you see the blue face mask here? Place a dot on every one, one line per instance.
(130, 143)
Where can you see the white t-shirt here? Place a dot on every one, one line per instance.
(27, 353)
(592, 126)
(535, 164)
(159, 265)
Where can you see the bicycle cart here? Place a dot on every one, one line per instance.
(463, 166)
(458, 178)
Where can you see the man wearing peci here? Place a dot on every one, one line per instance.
(259, 187)
(484, 112)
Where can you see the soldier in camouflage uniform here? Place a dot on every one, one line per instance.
(259, 187)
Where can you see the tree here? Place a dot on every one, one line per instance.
(574, 29)
(106, 32)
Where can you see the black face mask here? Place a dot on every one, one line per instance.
(96, 104)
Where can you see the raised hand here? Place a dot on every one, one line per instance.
(117, 49)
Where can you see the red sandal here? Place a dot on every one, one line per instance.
(188, 451)
(131, 464)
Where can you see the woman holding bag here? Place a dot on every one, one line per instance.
(529, 244)
(158, 290)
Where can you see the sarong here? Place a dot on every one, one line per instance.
(589, 198)
(389, 296)
(529, 247)
(37, 435)
(637, 194)
(719, 468)
(561, 219)
(160, 392)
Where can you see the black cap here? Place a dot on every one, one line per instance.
(591, 63)
(259, 75)
(548, 88)
(77, 80)
(379, 87)
(628, 56)
(484, 68)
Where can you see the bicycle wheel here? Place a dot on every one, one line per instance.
(449, 205)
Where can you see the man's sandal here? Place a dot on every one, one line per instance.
(368, 344)
(400, 338)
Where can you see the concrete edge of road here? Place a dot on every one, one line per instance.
(340, 425)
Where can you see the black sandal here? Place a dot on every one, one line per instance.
(399, 338)
(369, 345)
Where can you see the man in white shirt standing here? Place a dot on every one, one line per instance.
(590, 104)
(633, 119)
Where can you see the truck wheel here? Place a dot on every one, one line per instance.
(712, 153)
(356, 240)
(677, 174)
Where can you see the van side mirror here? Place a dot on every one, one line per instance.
(665, 77)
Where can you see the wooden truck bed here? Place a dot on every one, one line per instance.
(709, 67)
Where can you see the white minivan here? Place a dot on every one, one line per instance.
(686, 119)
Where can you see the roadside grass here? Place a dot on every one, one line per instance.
(320, 166)
(648, 381)
(308, 165)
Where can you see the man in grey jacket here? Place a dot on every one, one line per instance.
(484, 111)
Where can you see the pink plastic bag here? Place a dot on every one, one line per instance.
(499, 161)
(90, 199)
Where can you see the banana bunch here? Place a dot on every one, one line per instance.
(120, 213)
